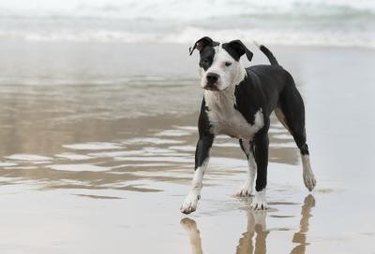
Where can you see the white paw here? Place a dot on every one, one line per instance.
(190, 203)
(246, 191)
(258, 204)
(259, 201)
(309, 180)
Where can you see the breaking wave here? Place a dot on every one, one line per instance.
(290, 22)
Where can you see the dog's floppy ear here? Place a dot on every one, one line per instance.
(239, 49)
(201, 44)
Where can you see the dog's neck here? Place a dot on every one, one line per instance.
(223, 100)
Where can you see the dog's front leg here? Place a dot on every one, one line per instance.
(261, 158)
(201, 161)
(248, 148)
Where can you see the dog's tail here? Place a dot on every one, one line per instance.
(268, 53)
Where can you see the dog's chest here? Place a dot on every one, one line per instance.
(225, 119)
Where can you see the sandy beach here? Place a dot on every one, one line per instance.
(97, 148)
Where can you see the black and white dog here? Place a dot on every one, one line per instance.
(238, 102)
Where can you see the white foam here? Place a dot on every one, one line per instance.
(144, 152)
(178, 10)
(93, 146)
(156, 141)
(78, 167)
(116, 154)
(183, 148)
(28, 157)
(188, 128)
(227, 144)
(7, 164)
(155, 159)
(151, 164)
(283, 136)
(283, 145)
(73, 156)
(288, 22)
(173, 133)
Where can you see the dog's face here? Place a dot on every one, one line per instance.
(219, 63)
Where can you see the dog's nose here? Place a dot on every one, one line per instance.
(212, 78)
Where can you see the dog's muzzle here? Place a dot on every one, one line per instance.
(211, 81)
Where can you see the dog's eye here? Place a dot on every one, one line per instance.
(205, 61)
(228, 64)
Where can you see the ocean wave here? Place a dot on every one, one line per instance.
(286, 22)
(184, 10)
(189, 34)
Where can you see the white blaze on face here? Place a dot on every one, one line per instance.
(230, 71)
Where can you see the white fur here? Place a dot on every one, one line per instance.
(308, 175)
(191, 200)
(225, 119)
(259, 200)
(247, 188)
(228, 75)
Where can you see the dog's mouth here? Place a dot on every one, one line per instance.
(211, 87)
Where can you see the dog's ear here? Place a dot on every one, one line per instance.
(201, 44)
(239, 49)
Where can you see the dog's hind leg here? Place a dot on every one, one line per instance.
(248, 148)
(291, 112)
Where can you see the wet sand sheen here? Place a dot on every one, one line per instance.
(88, 167)
(161, 155)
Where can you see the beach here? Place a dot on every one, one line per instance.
(97, 151)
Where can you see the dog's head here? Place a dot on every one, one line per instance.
(219, 63)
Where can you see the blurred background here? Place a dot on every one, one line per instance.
(99, 101)
(287, 22)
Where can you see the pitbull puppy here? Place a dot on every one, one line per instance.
(238, 102)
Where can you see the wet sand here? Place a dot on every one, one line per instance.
(97, 147)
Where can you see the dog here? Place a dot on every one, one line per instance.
(238, 102)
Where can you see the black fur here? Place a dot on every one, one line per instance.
(206, 57)
(206, 138)
(236, 49)
(269, 55)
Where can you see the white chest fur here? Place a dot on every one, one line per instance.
(225, 119)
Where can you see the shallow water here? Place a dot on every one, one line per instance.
(97, 158)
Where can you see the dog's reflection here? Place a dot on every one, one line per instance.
(254, 239)
(256, 227)
(195, 238)
(300, 236)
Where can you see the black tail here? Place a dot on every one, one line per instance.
(269, 55)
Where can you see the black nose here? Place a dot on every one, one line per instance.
(212, 78)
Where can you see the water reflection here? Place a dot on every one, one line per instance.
(254, 239)
(195, 239)
(164, 153)
(256, 231)
(300, 236)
